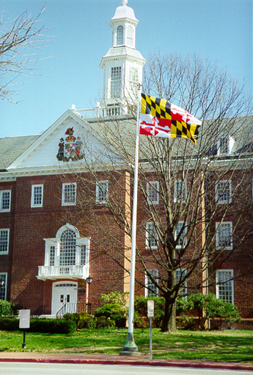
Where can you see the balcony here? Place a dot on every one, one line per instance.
(63, 272)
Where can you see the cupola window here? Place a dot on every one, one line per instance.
(116, 82)
(119, 35)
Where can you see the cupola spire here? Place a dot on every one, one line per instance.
(122, 64)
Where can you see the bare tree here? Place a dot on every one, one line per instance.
(16, 40)
(188, 213)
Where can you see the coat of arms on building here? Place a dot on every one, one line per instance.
(70, 148)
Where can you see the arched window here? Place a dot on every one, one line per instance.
(66, 255)
(119, 35)
(68, 248)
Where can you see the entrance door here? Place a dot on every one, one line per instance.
(64, 294)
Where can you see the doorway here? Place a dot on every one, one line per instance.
(64, 294)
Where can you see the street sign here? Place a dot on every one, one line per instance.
(24, 319)
(150, 308)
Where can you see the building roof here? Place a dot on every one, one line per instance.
(12, 147)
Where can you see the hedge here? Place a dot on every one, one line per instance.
(40, 325)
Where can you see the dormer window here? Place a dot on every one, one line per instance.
(119, 35)
(225, 145)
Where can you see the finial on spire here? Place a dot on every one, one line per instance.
(124, 2)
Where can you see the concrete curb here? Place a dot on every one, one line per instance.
(133, 362)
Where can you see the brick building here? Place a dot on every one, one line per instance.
(57, 229)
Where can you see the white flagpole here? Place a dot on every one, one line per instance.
(130, 348)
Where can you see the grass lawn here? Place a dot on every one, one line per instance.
(227, 346)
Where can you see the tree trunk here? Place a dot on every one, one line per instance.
(169, 320)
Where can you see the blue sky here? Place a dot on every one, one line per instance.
(68, 72)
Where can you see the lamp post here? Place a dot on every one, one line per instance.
(88, 282)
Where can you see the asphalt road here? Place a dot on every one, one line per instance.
(15, 368)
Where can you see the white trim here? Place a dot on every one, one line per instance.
(33, 205)
(182, 193)
(68, 203)
(183, 234)
(152, 188)
(5, 274)
(8, 241)
(148, 235)
(228, 185)
(230, 279)
(1, 200)
(102, 189)
(155, 273)
(218, 226)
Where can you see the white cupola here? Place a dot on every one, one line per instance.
(122, 64)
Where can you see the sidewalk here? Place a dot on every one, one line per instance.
(112, 359)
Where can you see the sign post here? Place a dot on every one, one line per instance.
(24, 323)
(150, 310)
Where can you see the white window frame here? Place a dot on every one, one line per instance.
(153, 291)
(229, 144)
(152, 191)
(33, 203)
(7, 230)
(229, 283)
(120, 36)
(179, 195)
(64, 186)
(151, 236)
(3, 276)
(179, 272)
(223, 188)
(116, 82)
(102, 190)
(219, 229)
(183, 237)
(56, 243)
(2, 192)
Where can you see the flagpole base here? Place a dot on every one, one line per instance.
(130, 348)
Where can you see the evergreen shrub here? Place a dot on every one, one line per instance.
(82, 320)
(6, 308)
(40, 325)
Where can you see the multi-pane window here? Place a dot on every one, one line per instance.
(37, 196)
(5, 200)
(102, 191)
(3, 286)
(224, 235)
(225, 285)
(151, 236)
(180, 191)
(68, 194)
(180, 274)
(152, 189)
(116, 82)
(223, 191)
(83, 255)
(181, 235)
(151, 289)
(68, 248)
(225, 145)
(4, 241)
(133, 81)
(52, 256)
(119, 35)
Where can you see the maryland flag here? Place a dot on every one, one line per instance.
(163, 119)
